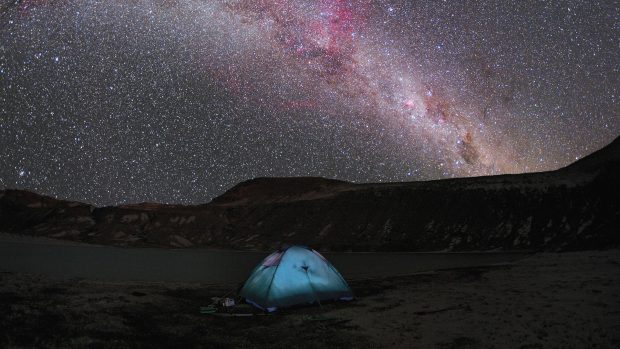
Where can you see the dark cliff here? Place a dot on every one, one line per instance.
(576, 207)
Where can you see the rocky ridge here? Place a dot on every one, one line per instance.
(573, 208)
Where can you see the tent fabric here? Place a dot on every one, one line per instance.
(293, 276)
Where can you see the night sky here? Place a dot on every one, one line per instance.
(114, 101)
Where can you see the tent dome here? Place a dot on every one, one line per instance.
(292, 276)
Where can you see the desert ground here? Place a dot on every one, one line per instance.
(545, 300)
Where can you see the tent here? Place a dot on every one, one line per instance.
(293, 276)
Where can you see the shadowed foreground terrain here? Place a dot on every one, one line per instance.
(546, 300)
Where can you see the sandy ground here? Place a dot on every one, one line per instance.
(568, 300)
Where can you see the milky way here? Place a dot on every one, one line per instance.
(176, 101)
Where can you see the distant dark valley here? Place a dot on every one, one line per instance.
(576, 207)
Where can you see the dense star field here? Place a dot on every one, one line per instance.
(176, 101)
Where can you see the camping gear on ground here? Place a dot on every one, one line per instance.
(208, 310)
(293, 276)
(228, 302)
(237, 310)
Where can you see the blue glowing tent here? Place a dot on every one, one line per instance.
(293, 276)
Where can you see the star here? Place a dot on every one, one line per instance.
(175, 102)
